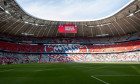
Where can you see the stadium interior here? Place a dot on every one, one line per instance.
(37, 51)
(24, 37)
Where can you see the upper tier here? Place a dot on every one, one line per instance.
(105, 40)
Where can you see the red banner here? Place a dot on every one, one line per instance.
(67, 28)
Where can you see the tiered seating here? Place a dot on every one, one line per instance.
(20, 47)
(129, 46)
(67, 48)
(70, 50)
(45, 58)
(65, 40)
(119, 57)
(61, 48)
(67, 57)
(97, 40)
(15, 58)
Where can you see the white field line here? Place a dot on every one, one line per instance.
(83, 67)
(99, 80)
(39, 70)
(135, 68)
(49, 69)
(116, 75)
(7, 70)
(94, 68)
(97, 68)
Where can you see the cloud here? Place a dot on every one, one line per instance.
(71, 10)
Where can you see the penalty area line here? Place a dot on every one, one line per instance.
(7, 70)
(99, 80)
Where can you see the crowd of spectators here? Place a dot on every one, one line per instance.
(68, 48)
(114, 57)
(14, 58)
(109, 49)
(6, 46)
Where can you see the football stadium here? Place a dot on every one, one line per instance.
(70, 42)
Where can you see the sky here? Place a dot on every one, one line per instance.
(72, 10)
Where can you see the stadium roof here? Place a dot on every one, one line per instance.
(72, 10)
(15, 21)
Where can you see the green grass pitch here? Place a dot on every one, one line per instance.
(70, 73)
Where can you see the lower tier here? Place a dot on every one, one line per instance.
(14, 58)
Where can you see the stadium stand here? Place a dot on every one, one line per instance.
(14, 58)
(69, 48)
(20, 47)
(59, 51)
(105, 40)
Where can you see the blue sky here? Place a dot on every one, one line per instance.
(72, 10)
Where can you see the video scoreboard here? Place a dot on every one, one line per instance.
(67, 28)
